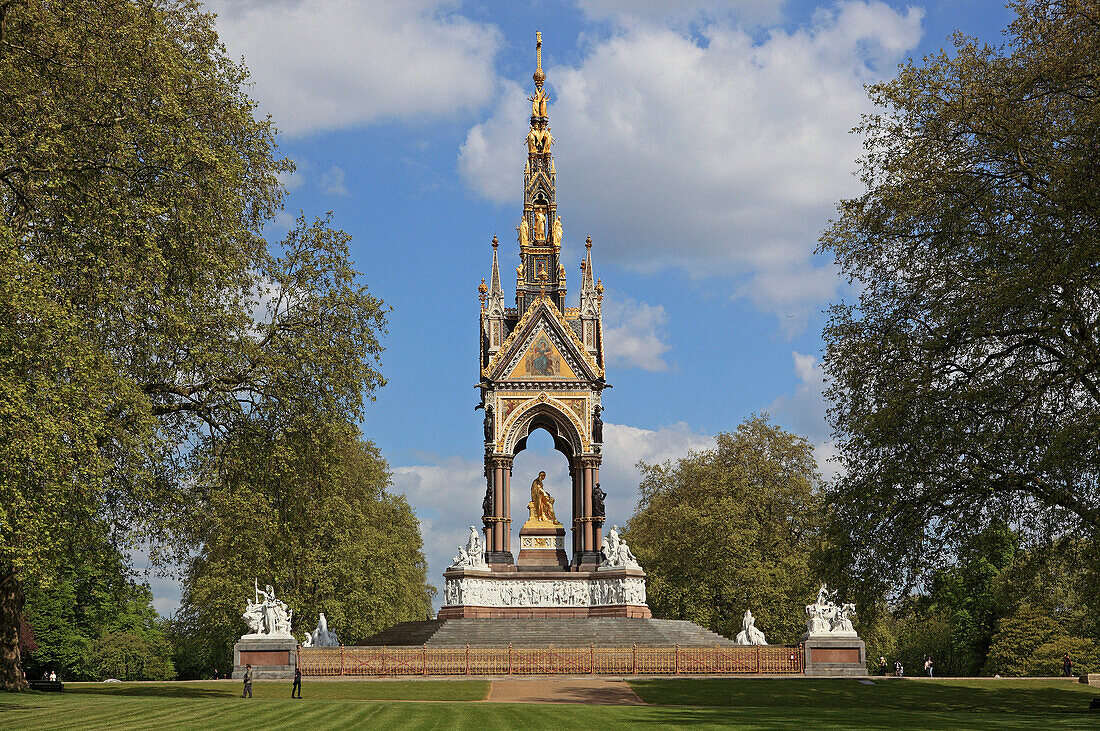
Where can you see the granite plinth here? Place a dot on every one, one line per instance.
(542, 547)
(270, 657)
(829, 656)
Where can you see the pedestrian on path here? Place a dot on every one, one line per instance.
(247, 681)
(882, 666)
(1067, 665)
(899, 669)
(297, 683)
(928, 665)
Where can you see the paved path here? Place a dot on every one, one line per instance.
(593, 691)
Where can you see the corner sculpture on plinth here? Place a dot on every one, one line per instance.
(268, 646)
(616, 554)
(827, 618)
(749, 634)
(471, 556)
(321, 636)
(267, 617)
(831, 643)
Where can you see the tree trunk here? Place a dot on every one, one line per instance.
(11, 612)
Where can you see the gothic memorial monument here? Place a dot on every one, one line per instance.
(542, 367)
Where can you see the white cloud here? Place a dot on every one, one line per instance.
(332, 64)
(332, 181)
(634, 333)
(804, 411)
(627, 10)
(446, 492)
(710, 152)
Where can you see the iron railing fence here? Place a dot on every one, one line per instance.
(634, 660)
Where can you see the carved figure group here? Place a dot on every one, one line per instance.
(616, 554)
(534, 593)
(472, 555)
(749, 634)
(826, 617)
(267, 616)
(321, 636)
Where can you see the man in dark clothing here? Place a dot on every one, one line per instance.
(297, 683)
(882, 665)
(1067, 665)
(247, 681)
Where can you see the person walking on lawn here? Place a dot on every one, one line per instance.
(297, 683)
(247, 681)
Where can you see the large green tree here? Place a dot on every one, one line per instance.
(303, 506)
(966, 378)
(140, 305)
(732, 528)
(92, 595)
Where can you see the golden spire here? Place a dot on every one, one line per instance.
(539, 76)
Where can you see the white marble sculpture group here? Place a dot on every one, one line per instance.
(827, 618)
(471, 556)
(616, 554)
(321, 636)
(267, 616)
(749, 634)
(544, 593)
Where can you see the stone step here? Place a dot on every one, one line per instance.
(542, 632)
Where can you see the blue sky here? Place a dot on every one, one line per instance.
(701, 143)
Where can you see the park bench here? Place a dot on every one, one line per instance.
(55, 686)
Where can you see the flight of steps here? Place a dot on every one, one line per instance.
(542, 632)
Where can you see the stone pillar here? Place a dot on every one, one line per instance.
(597, 522)
(587, 508)
(498, 552)
(576, 506)
(506, 526)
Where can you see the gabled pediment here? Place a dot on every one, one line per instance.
(542, 346)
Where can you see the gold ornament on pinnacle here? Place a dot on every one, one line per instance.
(495, 242)
(588, 242)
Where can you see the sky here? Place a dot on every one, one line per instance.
(702, 144)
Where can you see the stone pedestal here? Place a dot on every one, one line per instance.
(270, 657)
(835, 656)
(542, 547)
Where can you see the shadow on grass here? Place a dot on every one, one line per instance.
(154, 690)
(999, 696)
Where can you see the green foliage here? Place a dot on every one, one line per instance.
(966, 380)
(303, 506)
(92, 597)
(141, 307)
(127, 656)
(729, 529)
(1032, 641)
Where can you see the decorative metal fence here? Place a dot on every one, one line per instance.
(379, 661)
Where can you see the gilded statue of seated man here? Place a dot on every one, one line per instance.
(541, 506)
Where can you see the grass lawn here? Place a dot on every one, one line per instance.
(735, 702)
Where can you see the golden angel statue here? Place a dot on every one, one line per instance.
(556, 236)
(540, 226)
(524, 232)
(541, 507)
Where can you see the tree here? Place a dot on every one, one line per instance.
(91, 594)
(141, 307)
(729, 529)
(304, 507)
(966, 380)
(1032, 641)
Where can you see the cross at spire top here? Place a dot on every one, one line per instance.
(539, 76)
